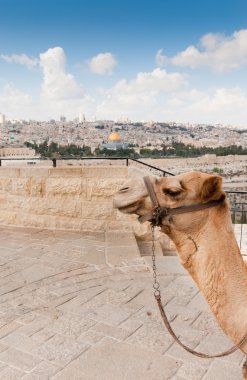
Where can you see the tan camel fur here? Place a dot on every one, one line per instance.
(204, 239)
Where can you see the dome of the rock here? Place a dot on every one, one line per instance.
(114, 136)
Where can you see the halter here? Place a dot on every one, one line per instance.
(158, 213)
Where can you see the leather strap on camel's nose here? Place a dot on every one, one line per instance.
(151, 192)
(158, 213)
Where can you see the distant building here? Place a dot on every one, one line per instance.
(17, 152)
(2, 118)
(114, 142)
(82, 118)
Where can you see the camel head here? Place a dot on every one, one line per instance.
(181, 190)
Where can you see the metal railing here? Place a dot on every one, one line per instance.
(78, 158)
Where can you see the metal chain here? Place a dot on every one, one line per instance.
(156, 284)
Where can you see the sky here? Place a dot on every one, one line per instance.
(161, 60)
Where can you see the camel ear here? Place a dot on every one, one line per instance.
(212, 188)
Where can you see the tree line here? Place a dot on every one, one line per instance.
(176, 150)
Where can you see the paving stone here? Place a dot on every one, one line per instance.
(8, 328)
(216, 343)
(43, 335)
(121, 255)
(19, 359)
(79, 315)
(183, 314)
(43, 371)
(60, 350)
(151, 336)
(199, 302)
(20, 342)
(119, 361)
(169, 266)
(90, 337)
(190, 371)
(120, 239)
(177, 352)
(188, 335)
(11, 374)
(113, 314)
(34, 326)
(114, 332)
(206, 322)
(71, 326)
(223, 371)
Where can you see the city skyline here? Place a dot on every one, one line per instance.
(177, 60)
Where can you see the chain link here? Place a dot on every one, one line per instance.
(156, 284)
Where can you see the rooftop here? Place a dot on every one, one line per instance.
(79, 305)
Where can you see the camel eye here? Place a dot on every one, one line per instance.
(171, 193)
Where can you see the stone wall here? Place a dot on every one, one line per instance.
(64, 198)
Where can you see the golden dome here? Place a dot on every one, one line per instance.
(114, 136)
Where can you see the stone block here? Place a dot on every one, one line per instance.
(114, 239)
(21, 186)
(5, 185)
(105, 172)
(102, 189)
(60, 187)
(34, 172)
(38, 187)
(56, 206)
(66, 172)
(7, 172)
(8, 218)
(123, 226)
(97, 210)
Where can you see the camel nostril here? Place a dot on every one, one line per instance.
(123, 189)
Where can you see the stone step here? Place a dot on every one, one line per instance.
(145, 248)
(121, 248)
(162, 248)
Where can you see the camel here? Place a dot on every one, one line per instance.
(204, 239)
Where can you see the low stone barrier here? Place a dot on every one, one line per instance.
(63, 198)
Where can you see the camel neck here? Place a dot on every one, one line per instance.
(213, 259)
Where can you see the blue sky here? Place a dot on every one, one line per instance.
(167, 60)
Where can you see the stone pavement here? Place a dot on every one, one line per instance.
(80, 306)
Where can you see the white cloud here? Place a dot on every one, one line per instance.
(157, 80)
(60, 93)
(22, 59)
(15, 103)
(142, 96)
(161, 59)
(219, 105)
(216, 51)
(57, 83)
(102, 64)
